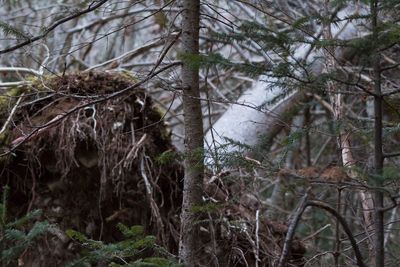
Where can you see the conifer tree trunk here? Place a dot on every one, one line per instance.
(189, 247)
(379, 260)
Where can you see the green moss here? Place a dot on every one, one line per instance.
(159, 110)
(161, 19)
(9, 97)
(127, 75)
(155, 117)
(4, 139)
(6, 103)
(208, 207)
(167, 157)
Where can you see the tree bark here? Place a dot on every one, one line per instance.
(189, 247)
(378, 143)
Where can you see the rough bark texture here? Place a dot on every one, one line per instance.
(193, 183)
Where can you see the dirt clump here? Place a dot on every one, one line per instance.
(90, 165)
(91, 158)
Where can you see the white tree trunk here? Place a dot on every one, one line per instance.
(246, 121)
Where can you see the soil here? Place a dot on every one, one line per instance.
(112, 162)
(91, 169)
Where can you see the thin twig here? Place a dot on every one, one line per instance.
(257, 237)
(49, 29)
(316, 233)
(11, 114)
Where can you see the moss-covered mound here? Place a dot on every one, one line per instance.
(89, 165)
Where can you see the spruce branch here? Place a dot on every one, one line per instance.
(8, 30)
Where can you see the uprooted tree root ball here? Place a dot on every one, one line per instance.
(93, 167)
(111, 162)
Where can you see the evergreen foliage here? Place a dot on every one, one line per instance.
(9, 30)
(134, 251)
(18, 235)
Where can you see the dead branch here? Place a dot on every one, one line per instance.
(49, 29)
(345, 226)
(296, 218)
(291, 231)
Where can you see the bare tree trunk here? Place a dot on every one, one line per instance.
(378, 145)
(189, 247)
(245, 124)
(337, 102)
